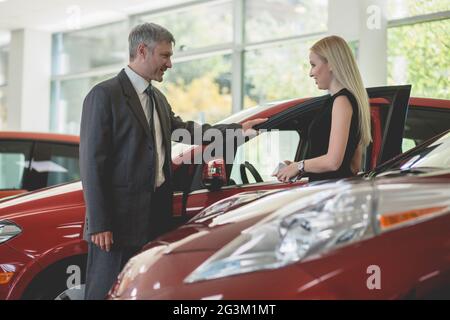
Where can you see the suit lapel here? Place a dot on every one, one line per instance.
(133, 102)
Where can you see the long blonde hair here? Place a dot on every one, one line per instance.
(335, 51)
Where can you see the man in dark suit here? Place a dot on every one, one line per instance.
(125, 158)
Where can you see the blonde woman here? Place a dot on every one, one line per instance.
(341, 130)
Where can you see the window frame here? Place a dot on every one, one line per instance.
(26, 170)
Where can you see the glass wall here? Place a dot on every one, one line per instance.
(278, 73)
(199, 87)
(418, 46)
(196, 26)
(398, 9)
(419, 54)
(82, 59)
(272, 19)
(67, 101)
(270, 63)
(87, 49)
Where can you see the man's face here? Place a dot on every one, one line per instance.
(157, 61)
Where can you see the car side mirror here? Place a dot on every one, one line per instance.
(214, 174)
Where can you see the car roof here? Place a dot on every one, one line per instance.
(50, 137)
(264, 110)
(270, 108)
(428, 102)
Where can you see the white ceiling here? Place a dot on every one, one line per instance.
(62, 15)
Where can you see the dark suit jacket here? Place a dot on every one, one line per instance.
(117, 160)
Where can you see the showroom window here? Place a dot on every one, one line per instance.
(87, 49)
(3, 85)
(216, 71)
(268, 70)
(67, 101)
(199, 85)
(398, 9)
(200, 89)
(190, 28)
(81, 59)
(418, 47)
(278, 35)
(269, 19)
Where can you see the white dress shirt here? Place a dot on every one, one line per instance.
(140, 85)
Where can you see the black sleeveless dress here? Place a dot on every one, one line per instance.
(319, 137)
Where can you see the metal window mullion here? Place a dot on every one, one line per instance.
(419, 19)
(177, 8)
(283, 41)
(183, 6)
(194, 54)
(88, 74)
(237, 72)
(54, 105)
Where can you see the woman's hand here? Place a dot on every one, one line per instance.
(288, 172)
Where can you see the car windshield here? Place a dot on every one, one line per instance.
(432, 156)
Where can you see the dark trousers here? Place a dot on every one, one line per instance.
(104, 267)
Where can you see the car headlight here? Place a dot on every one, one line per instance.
(8, 230)
(304, 229)
(317, 224)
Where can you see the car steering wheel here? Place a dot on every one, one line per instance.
(251, 168)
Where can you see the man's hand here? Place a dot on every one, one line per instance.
(103, 240)
(247, 126)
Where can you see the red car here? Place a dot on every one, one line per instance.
(31, 161)
(42, 252)
(383, 236)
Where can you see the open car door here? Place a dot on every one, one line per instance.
(389, 107)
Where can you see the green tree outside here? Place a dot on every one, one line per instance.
(419, 54)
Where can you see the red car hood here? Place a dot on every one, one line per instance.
(42, 201)
(213, 231)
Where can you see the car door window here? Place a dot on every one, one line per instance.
(14, 161)
(389, 107)
(54, 163)
(264, 152)
(423, 123)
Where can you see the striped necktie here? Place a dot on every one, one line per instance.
(150, 107)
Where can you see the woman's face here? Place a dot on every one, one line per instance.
(320, 71)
